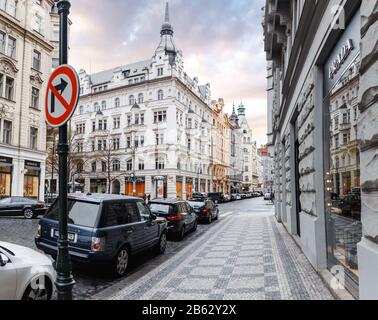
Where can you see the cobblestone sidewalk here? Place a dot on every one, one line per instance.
(248, 257)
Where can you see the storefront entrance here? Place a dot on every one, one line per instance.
(179, 187)
(189, 188)
(32, 179)
(98, 186)
(342, 165)
(5, 177)
(140, 187)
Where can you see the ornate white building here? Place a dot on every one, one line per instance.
(26, 50)
(154, 120)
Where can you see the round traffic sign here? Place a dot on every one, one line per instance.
(62, 96)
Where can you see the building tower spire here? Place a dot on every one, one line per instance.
(166, 33)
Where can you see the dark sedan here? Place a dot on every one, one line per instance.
(180, 215)
(206, 210)
(19, 206)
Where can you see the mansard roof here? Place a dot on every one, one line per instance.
(107, 75)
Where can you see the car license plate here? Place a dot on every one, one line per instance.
(71, 236)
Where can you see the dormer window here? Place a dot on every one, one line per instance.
(160, 72)
(126, 74)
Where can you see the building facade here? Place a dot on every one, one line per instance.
(26, 52)
(221, 148)
(322, 106)
(145, 127)
(267, 169)
(236, 154)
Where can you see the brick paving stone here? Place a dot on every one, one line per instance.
(248, 257)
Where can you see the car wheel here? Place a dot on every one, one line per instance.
(121, 262)
(162, 244)
(28, 213)
(38, 293)
(195, 226)
(181, 234)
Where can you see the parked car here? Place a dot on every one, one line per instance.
(19, 206)
(206, 210)
(200, 195)
(25, 274)
(227, 197)
(217, 197)
(233, 196)
(238, 196)
(243, 195)
(180, 215)
(268, 196)
(104, 229)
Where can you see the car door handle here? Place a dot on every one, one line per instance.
(130, 231)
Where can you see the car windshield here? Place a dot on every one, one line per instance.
(160, 208)
(197, 200)
(6, 200)
(79, 213)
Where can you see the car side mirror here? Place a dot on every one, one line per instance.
(3, 260)
(153, 216)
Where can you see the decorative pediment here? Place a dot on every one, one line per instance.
(8, 67)
(36, 79)
(6, 110)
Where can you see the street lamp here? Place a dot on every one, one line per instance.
(135, 109)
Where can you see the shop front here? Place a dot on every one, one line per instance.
(32, 179)
(6, 168)
(135, 187)
(203, 185)
(98, 186)
(160, 187)
(189, 187)
(179, 182)
(342, 164)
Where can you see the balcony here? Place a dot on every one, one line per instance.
(345, 126)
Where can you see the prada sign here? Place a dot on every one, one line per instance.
(342, 56)
(342, 53)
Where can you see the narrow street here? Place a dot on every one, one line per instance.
(244, 255)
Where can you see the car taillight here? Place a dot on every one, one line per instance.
(175, 218)
(98, 244)
(205, 211)
(41, 205)
(39, 231)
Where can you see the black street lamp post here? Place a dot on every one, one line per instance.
(64, 280)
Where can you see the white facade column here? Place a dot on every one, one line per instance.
(42, 181)
(148, 186)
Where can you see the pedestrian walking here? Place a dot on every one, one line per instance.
(272, 197)
(149, 198)
(145, 198)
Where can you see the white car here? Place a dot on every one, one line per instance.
(25, 274)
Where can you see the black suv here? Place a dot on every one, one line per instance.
(217, 197)
(104, 229)
(179, 213)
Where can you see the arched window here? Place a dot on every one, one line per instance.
(179, 164)
(94, 166)
(103, 105)
(159, 163)
(116, 165)
(96, 107)
(140, 98)
(117, 103)
(131, 100)
(160, 95)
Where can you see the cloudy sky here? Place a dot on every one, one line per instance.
(221, 41)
